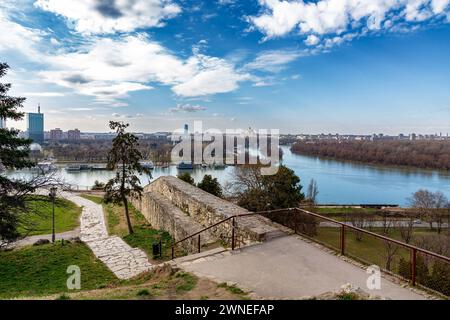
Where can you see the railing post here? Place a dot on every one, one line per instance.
(342, 239)
(173, 250)
(233, 243)
(413, 266)
(199, 246)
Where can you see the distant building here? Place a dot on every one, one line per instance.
(35, 126)
(74, 135)
(186, 129)
(56, 134)
(2, 123)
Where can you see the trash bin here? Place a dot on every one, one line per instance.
(156, 248)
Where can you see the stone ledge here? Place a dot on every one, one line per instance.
(208, 209)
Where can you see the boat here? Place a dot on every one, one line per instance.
(185, 166)
(73, 168)
(147, 165)
(45, 166)
(99, 167)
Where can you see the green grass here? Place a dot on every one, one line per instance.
(38, 220)
(233, 289)
(347, 296)
(96, 199)
(143, 292)
(369, 249)
(144, 236)
(42, 270)
(187, 282)
(343, 211)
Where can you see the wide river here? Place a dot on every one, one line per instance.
(339, 182)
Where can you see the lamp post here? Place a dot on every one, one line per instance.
(53, 196)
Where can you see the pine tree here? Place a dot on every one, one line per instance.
(124, 157)
(14, 154)
(211, 185)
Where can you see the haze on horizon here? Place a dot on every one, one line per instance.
(323, 66)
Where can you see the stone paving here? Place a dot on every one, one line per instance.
(124, 261)
(291, 268)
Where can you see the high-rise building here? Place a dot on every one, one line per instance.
(35, 126)
(74, 134)
(186, 129)
(56, 134)
(2, 123)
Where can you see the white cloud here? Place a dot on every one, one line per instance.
(274, 60)
(14, 36)
(44, 94)
(211, 75)
(312, 40)
(110, 16)
(109, 69)
(334, 17)
(187, 108)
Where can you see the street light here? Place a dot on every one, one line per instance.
(53, 196)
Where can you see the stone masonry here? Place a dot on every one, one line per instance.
(181, 209)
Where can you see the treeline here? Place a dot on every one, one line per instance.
(421, 154)
(97, 150)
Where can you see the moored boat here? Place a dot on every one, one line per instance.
(185, 166)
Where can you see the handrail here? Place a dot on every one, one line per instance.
(229, 218)
(407, 245)
(343, 224)
(413, 249)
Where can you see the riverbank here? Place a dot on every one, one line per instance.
(431, 155)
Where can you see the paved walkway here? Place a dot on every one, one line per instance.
(289, 267)
(124, 261)
(28, 241)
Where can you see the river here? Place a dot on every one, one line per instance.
(339, 182)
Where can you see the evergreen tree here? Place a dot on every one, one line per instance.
(14, 152)
(124, 156)
(186, 177)
(257, 192)
(211, 185)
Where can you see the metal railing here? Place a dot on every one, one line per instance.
(233, 238)
(419, 266)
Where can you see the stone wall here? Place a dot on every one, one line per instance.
(163, 215)
(182, 209)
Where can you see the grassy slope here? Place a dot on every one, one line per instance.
(40, 273)
(369, 249)
(39, 221)
(42, 269)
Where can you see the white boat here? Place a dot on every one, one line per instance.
(45, 166)
(147, 165)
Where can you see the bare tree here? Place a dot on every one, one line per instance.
(424, 201)
(391, 251)
(406, 226)
(391, 248)
(312, 192)
(440, 204)
(386, 222)
(357, 220)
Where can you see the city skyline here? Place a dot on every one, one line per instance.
(345, 69)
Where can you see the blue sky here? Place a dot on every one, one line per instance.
(346, 66)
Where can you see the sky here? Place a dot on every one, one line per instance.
(339, 66)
